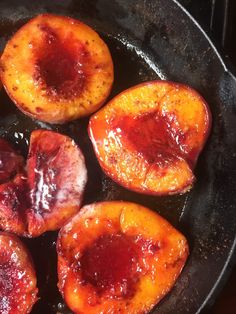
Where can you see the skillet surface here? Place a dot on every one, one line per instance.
(148, 40)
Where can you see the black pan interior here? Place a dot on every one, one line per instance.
(148, 40)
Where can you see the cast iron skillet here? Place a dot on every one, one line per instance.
(148, 40)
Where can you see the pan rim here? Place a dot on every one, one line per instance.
(231, 258)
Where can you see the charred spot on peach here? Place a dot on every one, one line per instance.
(118, 257)
(155, 131)
(64, 68)
(18, 291)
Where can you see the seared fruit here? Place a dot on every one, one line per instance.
(57, 69)
(49, 192)
(118, 257)
(18, 291)
(149, 137)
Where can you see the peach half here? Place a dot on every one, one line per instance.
(148, 138)
(18, 291)
(118, 257)
(56, 69)
(49, 191)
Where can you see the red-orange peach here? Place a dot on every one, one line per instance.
(118, 257)
(148, 138)
(56, 69)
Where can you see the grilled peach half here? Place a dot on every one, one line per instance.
(118, 257)
(149, 137)
(57, 69)
(45, 195)
(18, 289)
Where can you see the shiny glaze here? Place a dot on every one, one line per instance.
(43, 194)
(44, 191)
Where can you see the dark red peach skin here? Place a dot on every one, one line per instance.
(10, 161)
(118, 257)
(18, 290)
(148, 138)
(66, 72)
(49, 191)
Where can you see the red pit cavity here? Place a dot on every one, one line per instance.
(60, 65)
(154, 137)
(111, 264)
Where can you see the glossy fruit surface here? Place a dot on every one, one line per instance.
(49, 191)
(148, 138)
(57, 69)
(118, 257)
